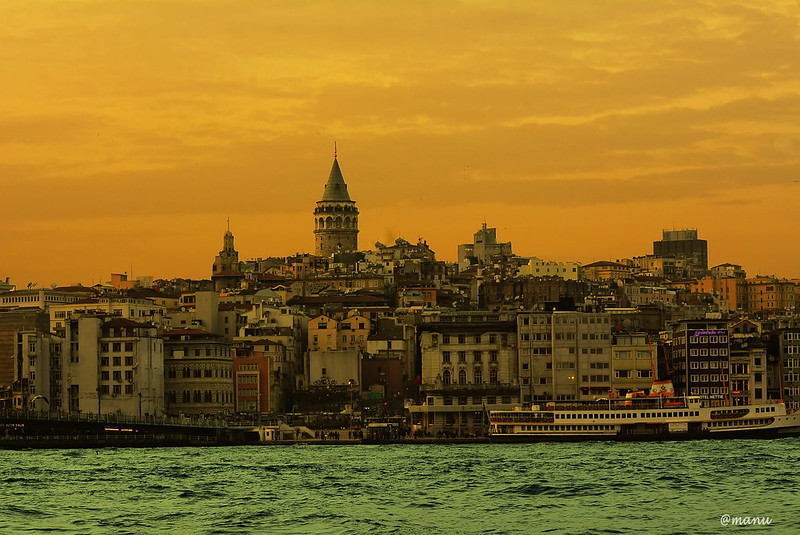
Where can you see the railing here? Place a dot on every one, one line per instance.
(11, 414)
(115, 438)
(455, 388)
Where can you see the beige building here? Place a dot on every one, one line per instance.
(131, 308)
(564, 355)
(469, 366)
(34, 350)
(328, 334)
(537, 267)
(199, 373)
(633, 359)
(108, 366)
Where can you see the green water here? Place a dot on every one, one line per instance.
(669, 487)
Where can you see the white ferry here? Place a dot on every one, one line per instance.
(659, 416)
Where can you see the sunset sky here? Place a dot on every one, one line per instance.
(130, 131)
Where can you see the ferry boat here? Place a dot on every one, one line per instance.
(658, 416)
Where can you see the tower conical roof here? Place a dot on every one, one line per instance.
(335, 189)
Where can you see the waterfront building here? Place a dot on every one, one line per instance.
(35, 351)
(257, 369)
(748, 371)
(335, 217)
(12, 323)
(199, 373)
(788, 366)
(108, 365)
(701, 360)
(634, 359)
(564, 355)
(468, 366)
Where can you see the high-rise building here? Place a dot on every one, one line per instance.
(335, 217)
(684, 244)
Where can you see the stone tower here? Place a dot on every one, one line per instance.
(335, 217)
(228, 257)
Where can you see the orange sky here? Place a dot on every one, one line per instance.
(130, 131)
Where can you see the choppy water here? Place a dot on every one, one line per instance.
(670, 487)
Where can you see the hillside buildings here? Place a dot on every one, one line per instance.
(353, 334)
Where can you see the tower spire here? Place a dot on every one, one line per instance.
(334, 150)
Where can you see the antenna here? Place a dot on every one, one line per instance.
(334, 149)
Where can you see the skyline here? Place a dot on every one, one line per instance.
(133, 130)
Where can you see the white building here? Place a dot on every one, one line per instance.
(114, 366)
(542, 268)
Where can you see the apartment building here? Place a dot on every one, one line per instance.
(469, 365)
(564, 355)
(199, 373)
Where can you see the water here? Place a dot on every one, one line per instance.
(670, 487)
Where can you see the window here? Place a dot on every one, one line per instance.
(129, 375)
(445, 356)
(103, 361)
(477, 376)
(462, 356)
(493, 376)
(117, 361)
(446, 377)
(476, 356)
(128, 346)
(493, 356)
(116, 347)
(118, 376)
(128, 361)
(462, 377)
(104, 347)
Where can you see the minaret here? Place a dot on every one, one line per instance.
(228, 257)
(335, 217)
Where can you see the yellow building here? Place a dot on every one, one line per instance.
(328, 334)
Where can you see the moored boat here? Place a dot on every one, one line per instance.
(659, 416)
